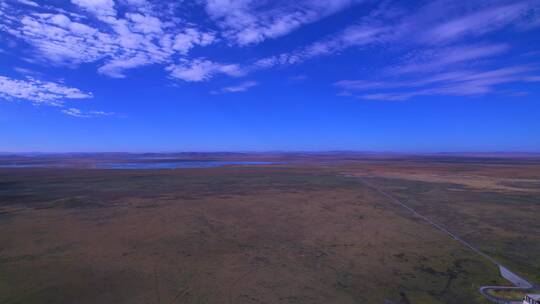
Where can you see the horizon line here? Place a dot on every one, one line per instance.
(275, 151)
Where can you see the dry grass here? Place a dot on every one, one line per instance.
(295, 234)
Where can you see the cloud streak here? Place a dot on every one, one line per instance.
(387, 26)
(202, 69)
(247, 22)
(436, 59)
(478, 23)
(242, 87)
(74, 112)
(456, 83)
(352, 36)
(442, 60)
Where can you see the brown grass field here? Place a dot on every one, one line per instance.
(307, 230)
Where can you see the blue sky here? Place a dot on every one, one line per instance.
(245, 75)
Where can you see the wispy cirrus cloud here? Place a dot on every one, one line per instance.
(441, 59)
(28, 2)
(436, 25)
(455, 83)
(242, 87)
(486, 19)
(75, 112)
(248, 22)
(436, 59)
(353, 36)
(27, 72)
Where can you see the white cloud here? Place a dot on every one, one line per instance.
(242, 87)
(29, 3)
(137, 2)
(61, 40)
(433, 26)
(355, 35)
(126, 34)
(80, 114)
(115, 68)
(145, 24)
(455, 83)
(101, 113)
(116, 43)
(39, 92)
(477, 23)
(100, 8)
(190, 37)
(247, 21)
(74, 112)
(26, 72)
(202, 69)
(430, 60)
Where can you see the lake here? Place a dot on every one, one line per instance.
(135, 165)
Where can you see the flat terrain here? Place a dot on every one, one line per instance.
(305, 230)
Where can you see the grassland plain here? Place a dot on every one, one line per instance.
(290, 233)
(493, 204)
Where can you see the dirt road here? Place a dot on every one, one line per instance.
(518, 282)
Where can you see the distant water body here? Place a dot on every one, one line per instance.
(177, 165)
(135, 165)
